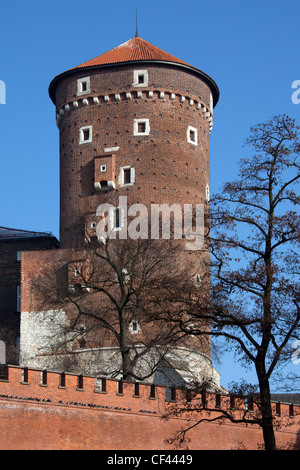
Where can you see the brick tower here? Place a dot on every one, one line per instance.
(135, 122)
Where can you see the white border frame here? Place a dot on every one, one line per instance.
(189, 130)
(81, 134)
(80, 81)
(136, 74)
(136, 127)
(121, 176)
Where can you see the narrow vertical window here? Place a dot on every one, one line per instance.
(173, 394)
(152, 391)
(120, 387)
(80, 382)
(127, 179)
(62, 380)
(117, 218)
(25, 375)
(127, 176)
(103, 385)
(192, 135)
(136, 389)
(44, 377)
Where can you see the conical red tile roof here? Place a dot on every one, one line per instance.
(135, 50)
(132, 50)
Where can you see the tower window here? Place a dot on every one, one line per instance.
(85, 135)
(134, 327)
(140, 78)
(141, 127)
(192, 135)
(117, 218)
(83, 86)
(127, 176)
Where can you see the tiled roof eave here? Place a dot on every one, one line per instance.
(211, 83)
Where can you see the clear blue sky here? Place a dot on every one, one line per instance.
(249, 47)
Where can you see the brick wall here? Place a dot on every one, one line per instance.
(10, 278)
(40, 411)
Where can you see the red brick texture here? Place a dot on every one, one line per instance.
(39, 414)
(168, 169)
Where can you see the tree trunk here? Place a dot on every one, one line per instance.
(266, 409)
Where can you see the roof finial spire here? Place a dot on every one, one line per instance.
(136, 24)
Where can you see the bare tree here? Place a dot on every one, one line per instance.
(255, 260)
(114, 296)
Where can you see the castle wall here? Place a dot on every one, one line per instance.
(48, 341)
(40, 412)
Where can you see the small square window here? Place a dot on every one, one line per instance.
(103, 168)
(141, 127)
(85, 135)
(83, 86)
(140, 78)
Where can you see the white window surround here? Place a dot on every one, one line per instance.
(102, 167)
(122, 176)
(207, 193)
(192, 135)
(112, 215)
(82, 134)
(197, 280)
(138, 122)
(83, 86)
(134, 327)
(140, 78)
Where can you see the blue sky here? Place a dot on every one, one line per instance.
(249, 47)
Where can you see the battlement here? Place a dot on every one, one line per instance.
(60, 388)
(43, 409)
